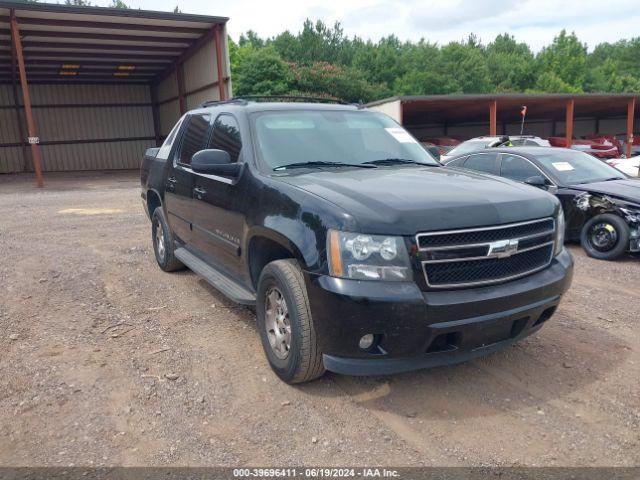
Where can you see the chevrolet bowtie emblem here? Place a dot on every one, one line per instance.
(503, 248)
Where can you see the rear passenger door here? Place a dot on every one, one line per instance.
(483, 162)
(219, 202)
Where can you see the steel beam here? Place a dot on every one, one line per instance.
(569, 122)
(493, 118)
(26, 100)
(221, 83)
(14, 86)
(631, 110)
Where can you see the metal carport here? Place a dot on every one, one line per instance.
(471, 115)
(90, 88)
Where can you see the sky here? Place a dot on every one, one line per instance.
(535, 22)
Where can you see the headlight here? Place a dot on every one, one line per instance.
(560, 227)
(367, 257)
(631, 214)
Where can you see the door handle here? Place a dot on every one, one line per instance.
(199, 191)
(171, 179)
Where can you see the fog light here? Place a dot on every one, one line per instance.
(366, 342)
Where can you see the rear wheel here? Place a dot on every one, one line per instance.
(163, 242)
(285, 323)
(605, 237)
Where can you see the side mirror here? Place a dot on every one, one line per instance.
(536, 181)
(214, 162)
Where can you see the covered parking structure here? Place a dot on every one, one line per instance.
(547, 115)
(90, 88)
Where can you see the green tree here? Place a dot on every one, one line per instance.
(563, 64)
(510, 64)
(118, 4)
(261, 72)
(78, 3)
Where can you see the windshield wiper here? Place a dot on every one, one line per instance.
(392, 161)
(321, 164)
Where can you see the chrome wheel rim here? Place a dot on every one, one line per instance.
(160, 240)
(277, 323)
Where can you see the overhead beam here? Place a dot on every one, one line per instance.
(631, 110)
(120, 25)
(116, 36)
(28, 45)
(101, 63)
(26, 100)
(69, 56)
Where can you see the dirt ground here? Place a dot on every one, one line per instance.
(106, 360)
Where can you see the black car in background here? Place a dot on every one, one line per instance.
(601, 204)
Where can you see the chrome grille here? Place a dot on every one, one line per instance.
(481, 256)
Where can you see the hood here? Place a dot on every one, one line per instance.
(407, 200)
(626, 189)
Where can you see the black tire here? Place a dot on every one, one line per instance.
(164, 257)
(614, 228)
(303, 360)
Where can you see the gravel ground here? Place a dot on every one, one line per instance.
(106, 360)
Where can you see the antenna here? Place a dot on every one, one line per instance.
(523, 112)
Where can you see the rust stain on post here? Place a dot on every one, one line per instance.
(631, 110)
(493, 118)
(26, 99)
(569, 122)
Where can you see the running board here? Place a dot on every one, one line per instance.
(220, 281)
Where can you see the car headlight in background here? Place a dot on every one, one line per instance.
(367, 257)
(560, 228)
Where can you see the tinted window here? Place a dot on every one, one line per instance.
(517, 168)
(167, 144)
(457, 162)
(483, 162)
(572, 167)
(345, 136)
(194, 137)
(469, 146)
(226, 136)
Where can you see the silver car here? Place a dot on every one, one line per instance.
(480, 143)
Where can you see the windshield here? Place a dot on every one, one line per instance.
(469, 146)
(573, 167)
(333, 138)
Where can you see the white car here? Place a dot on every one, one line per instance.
(480, 143)
(630, 166)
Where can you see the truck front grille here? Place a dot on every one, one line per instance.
(480, 256)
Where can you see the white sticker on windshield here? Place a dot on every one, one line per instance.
(401, 135)
(562, 166)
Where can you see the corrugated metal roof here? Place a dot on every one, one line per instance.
(98, 44)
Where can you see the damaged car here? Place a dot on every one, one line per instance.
(601, 204)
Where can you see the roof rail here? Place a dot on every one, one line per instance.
(210, 103)
(244, 99)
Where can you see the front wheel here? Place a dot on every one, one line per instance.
(605, 237)
(163, 242)
(285, 323)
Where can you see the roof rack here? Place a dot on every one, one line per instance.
(244, 99)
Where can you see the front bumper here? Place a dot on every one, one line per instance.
(425, 329)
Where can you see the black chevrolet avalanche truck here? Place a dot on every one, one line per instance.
(361, 253)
